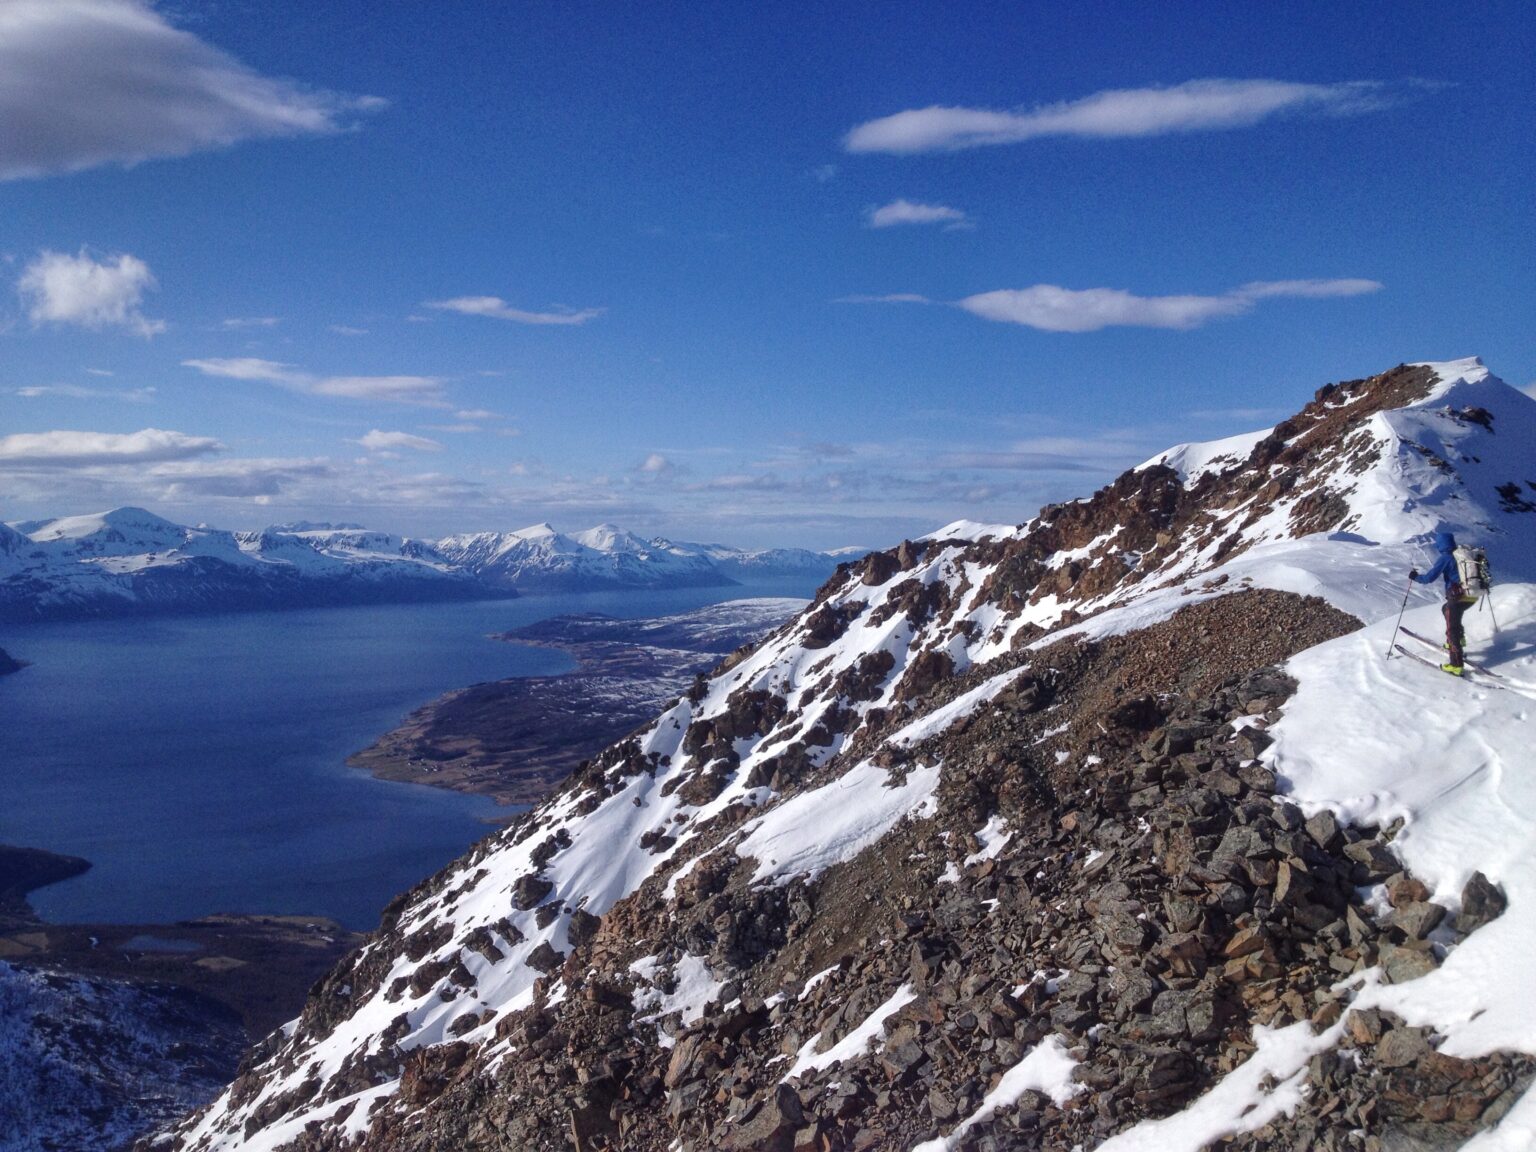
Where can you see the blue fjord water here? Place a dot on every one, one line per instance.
(199, 762)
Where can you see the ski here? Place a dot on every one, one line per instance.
(1472, 675)
(1465, 663)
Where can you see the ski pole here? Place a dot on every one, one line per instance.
(1489, 600)
(1400, 612)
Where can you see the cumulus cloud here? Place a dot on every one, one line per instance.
(80, 290)
(499, 309)
(906, 212)
(1051, 308)
(655, 464)
(240, 479)
(90, 82)
(423, 391)
(377, 441)
(1194, 106)
(62, 449)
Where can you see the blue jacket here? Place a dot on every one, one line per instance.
(1445, 563)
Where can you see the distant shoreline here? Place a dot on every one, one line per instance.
(259, 966)
(515, 739)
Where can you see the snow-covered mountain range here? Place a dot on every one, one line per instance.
(541, 559)
(131, 561)
(1115, 830)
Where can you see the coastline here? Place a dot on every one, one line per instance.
(515, 739)
(259, 967)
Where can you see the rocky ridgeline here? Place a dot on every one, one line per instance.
(1154, 903)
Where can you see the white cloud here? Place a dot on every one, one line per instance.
(377, 441)
(76, 449)
(495, 306)
(656, 463)
(1194, 106)
(476, 414)
(241, 479)
(348, 330)
(77, 392)
(90, 82)
(1054, 309)
(906, 212)
(1307, 289)
(61, 289)
(238, 322)
(424, 391)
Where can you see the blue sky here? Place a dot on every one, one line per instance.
(800, 274)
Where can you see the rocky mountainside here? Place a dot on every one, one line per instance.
(74, 1071)
(131, 562)
(1114, 830)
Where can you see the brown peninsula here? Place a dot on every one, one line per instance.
(515, 739)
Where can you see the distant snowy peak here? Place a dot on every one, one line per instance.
(612, 538)
(541, 558)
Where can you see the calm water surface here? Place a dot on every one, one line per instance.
(199, 763)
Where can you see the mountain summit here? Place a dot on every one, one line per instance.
(1116, 830)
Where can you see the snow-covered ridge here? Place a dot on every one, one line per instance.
(541, 558)
(130, 560)
(805, 753)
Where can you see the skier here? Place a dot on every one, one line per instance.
(1457, 599)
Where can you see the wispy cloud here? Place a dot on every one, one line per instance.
(906, 212)
(1194, 106)
(889, 298)
(63, 449)
(78, 392)
(655, 464)
(1051, 308)
(81, 291)
(1254, 415)
(377, 441)
(235, 323)
(424, 391)
(347, 330)
(497, 308)
(90, 82)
